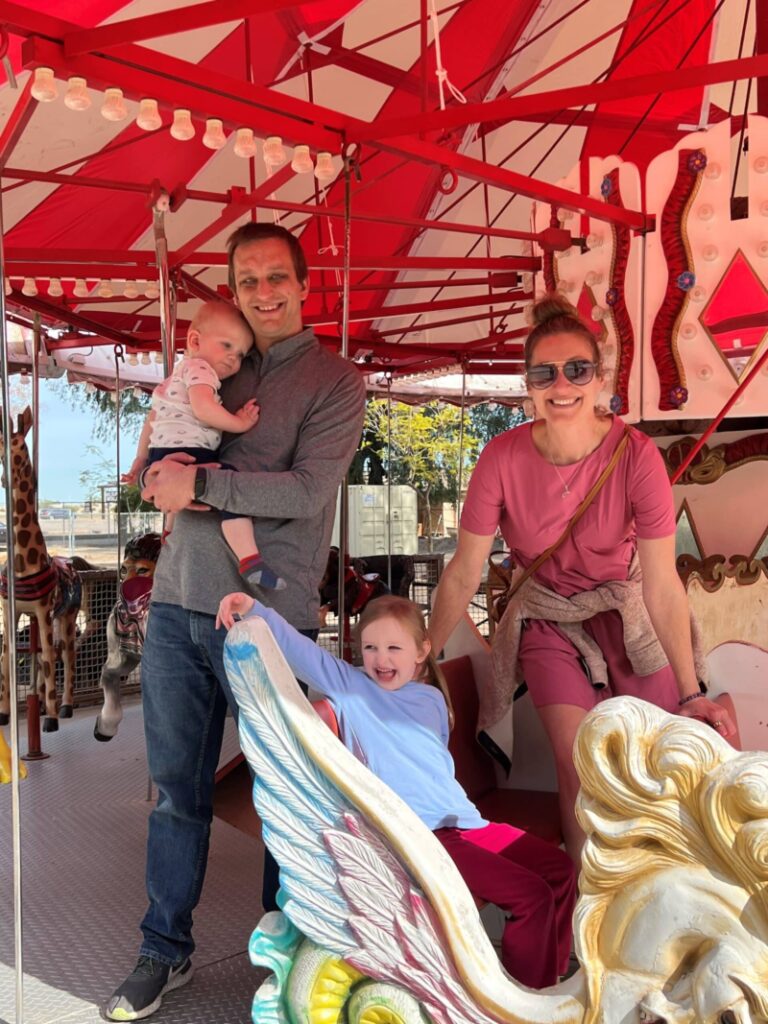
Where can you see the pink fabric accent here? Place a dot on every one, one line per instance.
(534, 882)
(515, 488)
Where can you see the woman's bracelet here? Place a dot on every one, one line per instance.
(689, 698)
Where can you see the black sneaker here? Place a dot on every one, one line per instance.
(142, 991)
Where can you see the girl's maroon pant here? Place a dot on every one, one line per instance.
(531, 880)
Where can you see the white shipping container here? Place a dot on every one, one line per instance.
(375, 527)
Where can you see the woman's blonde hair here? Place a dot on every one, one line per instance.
(411, 618)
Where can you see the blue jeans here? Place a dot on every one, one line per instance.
(185, 694)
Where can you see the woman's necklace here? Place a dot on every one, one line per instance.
(566, 483)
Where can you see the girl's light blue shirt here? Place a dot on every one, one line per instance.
(400, 735)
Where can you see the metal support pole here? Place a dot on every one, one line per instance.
(10, 640)
(167, 291)
(389, 482)
(118, 357)
(344, 647)
(460, 474)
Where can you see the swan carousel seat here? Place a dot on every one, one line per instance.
(377, 926)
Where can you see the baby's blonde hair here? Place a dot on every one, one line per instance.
(411, 618)
(216, 308)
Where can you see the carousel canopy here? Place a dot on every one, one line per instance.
(407, 140)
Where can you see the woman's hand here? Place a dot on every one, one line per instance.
(710, 712)
(231, 608)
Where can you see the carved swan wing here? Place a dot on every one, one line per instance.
(362, 876)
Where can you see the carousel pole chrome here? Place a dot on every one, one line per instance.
(37, 340)
(460, 474)
(344, 502)
(118, 489)
(167, 291)
(10, 640)
(389, 482)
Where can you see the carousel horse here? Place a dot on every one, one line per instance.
(47, 589)
(377, 924)
(126, 627)
(359, 587)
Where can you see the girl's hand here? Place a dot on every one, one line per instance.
(233, 607)
(710, 712)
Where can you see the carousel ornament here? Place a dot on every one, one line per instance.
(113, 108)
(697, 161)
(616, 404)
(612, 296)
(44, 88)
(678, 396)
(148, 117)
(214, 137)
(606, 186)
(76, 97)
(760, 165)
(302, 160)
(686, 281)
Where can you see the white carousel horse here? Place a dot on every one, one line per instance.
(377, 924)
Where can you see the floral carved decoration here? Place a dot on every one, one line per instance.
(615, 299)
(710, 463)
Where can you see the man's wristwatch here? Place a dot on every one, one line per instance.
(201, 482)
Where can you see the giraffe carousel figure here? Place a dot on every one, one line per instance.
(47, 589)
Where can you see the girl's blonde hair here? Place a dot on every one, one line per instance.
(411, 618)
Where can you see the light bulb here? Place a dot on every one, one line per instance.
(302, 160)
(712, 171)
(54, 288)
(274, 151)
(599, 313)
(29, 288)
(565, 286)
(688, 331)
(705, 212)
(325, 171)
(44, 88)
(152, 291)
(81, 289)
(594, 241)
(214, 137)
(182, 127)
(705, 372)
(105, 290)
(148, 117)
(244, 143)
(113, 108)
(762, 250)
(90, 387)
(130, 291)
(592, 278)
(760, 164)
(133, 359)
(710, 253)
(698, 294)
(158, 357)
(764, 208)
(145, 359)
(76, 97)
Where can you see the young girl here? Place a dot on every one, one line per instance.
(394, 716)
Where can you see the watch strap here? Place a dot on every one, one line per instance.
(201, 482)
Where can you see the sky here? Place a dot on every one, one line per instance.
(65, 435)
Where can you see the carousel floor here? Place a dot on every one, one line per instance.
(83, 829)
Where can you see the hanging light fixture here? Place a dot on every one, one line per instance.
(302, 160)
(274, 151)
(145, 358)
(245, 145)
(76, 97)
(44, 88)
(90, 387)
(55, 290)
(105, 290)
(133, 359)
(81, 289)
(130, 291)
(182, 127)
(214, 137)
(8, 286)
(158, 357)
(113, 108)
(325, 170)
(152, 291)
(137, 392)
(148, 117)
(29, 288)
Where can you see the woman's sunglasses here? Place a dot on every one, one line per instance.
(577, 371)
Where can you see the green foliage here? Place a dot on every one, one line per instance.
(489, 419)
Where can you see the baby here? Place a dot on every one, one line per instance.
(187, 416)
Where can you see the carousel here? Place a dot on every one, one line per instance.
(443, 164)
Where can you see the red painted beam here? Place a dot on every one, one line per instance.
(434, 325)
(17, 121)
(61, 314)
(414, 308)
(166, 23)
(115, 257)
(461, 115)
(56, 178)
(761, 46)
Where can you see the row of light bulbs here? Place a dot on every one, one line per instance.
(131, 290)
(113, 108)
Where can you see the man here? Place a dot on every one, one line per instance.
(289, 469)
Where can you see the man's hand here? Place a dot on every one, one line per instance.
(170, 483)
(233, 607)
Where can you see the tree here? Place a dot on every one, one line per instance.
(490, 419)
(101, 409)
(424, 449)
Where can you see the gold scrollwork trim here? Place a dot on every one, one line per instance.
(714, 570)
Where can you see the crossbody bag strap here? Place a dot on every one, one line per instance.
(593, 492)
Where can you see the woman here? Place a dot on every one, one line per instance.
(529, 482)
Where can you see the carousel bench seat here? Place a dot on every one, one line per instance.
(534, 811)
